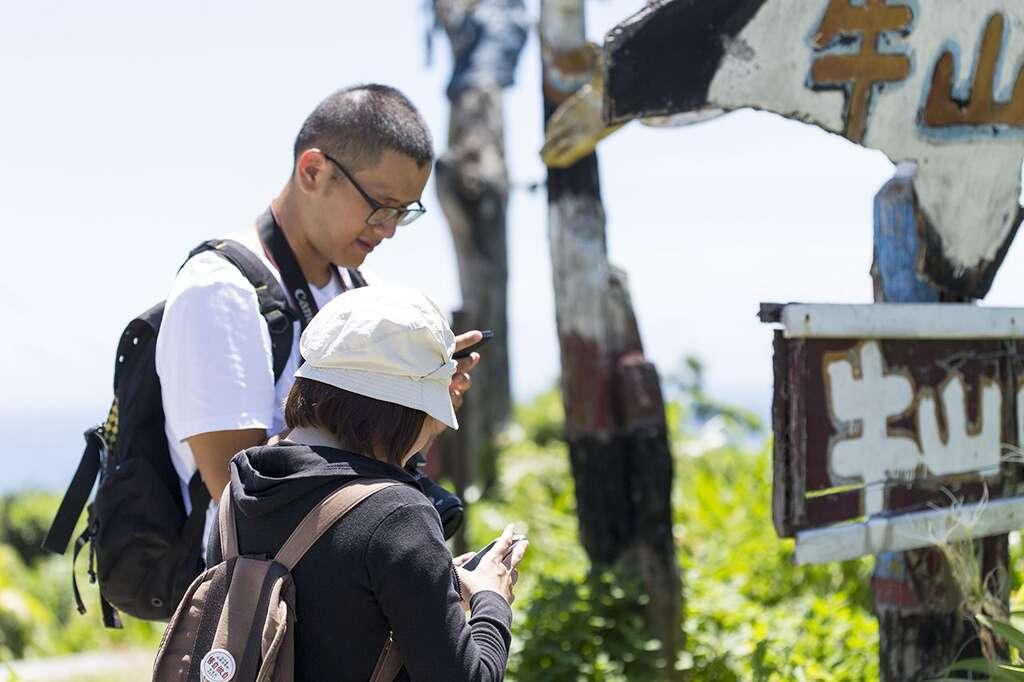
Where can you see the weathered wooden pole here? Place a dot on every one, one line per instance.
(472, 185)
(921, 627)
(615, 416)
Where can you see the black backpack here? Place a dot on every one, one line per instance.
(144, 549)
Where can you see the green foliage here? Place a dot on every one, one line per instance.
(543, 419)
(1011, 666)
(24, 520)
(23, 617)
(38, 617)
(751, 613)
(536, 493)
(588, 630)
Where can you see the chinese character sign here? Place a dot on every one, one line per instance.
(936, 82)
(864, 396)
(888, 410)
(858, 72)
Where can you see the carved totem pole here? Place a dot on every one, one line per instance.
(615, 415)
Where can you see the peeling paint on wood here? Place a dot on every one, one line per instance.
(567, 60)
(981, 107)
(920, 621)
(935, 82)
(615, 416)
(908, 531)
(948, 321)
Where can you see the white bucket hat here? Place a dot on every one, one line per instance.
(387, 342)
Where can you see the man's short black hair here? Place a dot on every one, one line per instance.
(356, 124)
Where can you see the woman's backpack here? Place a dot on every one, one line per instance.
(236, 621)
(144, 548)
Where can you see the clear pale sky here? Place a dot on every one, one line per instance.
(130, 132)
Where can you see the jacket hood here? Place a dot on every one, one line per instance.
(266, 478)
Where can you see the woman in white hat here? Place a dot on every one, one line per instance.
(373, 391)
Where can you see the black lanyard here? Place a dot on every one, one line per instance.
(295, 282)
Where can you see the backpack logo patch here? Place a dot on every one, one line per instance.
(218, 666)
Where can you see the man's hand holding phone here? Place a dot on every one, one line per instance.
(466, 359)
(494, 567)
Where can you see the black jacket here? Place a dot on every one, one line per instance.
(383, 567)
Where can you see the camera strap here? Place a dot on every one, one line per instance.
(277, 247)
(281, 253)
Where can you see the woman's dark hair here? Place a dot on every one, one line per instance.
(362, 424)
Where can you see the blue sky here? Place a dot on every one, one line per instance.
(132, 131)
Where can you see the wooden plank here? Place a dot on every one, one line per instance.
(797, 433)
(894, 264)
(807, 429)
(908, 531)
(946, 401)
(662, 60)
(847, 504)
(826, 510)
(901, 321)
(781, 490)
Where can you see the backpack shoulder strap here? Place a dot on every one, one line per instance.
(63, 526)
(226, 526)
(358, 281)
(321, 517)
(388, 663)
(324, 515)
(272, 300)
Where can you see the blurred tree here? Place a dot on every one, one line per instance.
(472, 185)
(614, 411)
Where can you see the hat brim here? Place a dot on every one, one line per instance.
(429, 396)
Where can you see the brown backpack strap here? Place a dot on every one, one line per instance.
(388, 664)
(228, 529)
(324, 515)
(316, 523)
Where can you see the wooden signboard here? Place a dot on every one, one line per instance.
(939, 83)
(896, 425)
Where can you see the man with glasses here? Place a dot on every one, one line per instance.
(361, 161)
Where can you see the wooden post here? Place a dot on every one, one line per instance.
(472, 185)
(921, 629)
(615, 416)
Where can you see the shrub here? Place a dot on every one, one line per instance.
(751, 613)
(542, 419)
(24, 520)
(38, 616)
(591, 629)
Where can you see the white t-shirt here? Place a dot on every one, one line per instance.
(214, 359)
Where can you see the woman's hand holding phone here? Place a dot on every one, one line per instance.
(496, 570)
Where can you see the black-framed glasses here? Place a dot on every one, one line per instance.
(381, 214)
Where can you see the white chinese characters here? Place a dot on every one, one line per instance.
(865, 399)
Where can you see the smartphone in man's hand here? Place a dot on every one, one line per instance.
(475, 561)
(465, 352)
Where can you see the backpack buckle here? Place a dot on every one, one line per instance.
(278, 321)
